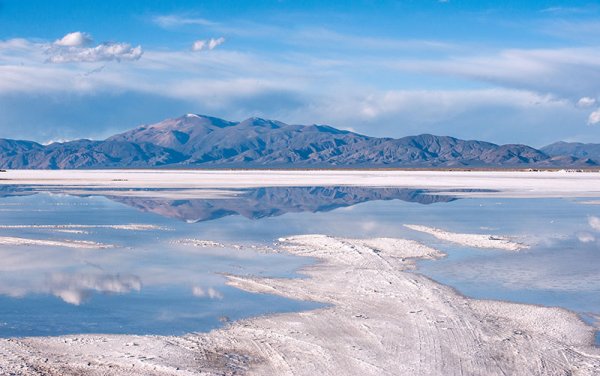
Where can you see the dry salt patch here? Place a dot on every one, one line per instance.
(63, 228)
(589, 202)
(202, 243)
(68, 231)
(133, 227)
(472, 240)
(83, 244)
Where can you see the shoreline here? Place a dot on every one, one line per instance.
(381, 318)
(327, 168)
(204, 184)
(486, 241)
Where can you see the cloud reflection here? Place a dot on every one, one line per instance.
(585, 237)
(77, 288)
(594, 222)
(210, 292)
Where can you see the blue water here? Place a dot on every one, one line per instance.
(145, 285)
(149, 284)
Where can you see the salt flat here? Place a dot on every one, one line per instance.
(505, 183)
(381, 317)
(11, 240)
(382, 320)
(471, 240)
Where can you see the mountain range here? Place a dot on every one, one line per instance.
(203, 141)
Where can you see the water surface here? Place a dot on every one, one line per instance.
(151, 283)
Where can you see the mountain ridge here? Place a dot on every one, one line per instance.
(203, 141)
(575, 149)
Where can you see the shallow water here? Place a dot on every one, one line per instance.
(148, 283)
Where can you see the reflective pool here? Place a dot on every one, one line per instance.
(152, 265)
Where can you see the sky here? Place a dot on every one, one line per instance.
(501, 71)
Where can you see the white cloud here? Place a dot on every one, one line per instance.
(168, 21)
(75, 39)
(332, 40)
(233, 85)
(56, 140)
(431, 106)
(565, 10)
(102, 52)
(594, 117)
(565, 72)
(209, 44)
(594, 222)
(198, 45)
(212, 43)
(15, 44)
(73, 47)
(586, 102)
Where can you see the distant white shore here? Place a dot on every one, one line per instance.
(214, 183)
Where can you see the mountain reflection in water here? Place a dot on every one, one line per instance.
(252, 203)
(276, 201)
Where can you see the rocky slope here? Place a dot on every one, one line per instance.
(203, 141)
(574, 150)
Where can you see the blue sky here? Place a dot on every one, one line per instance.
(503, 71)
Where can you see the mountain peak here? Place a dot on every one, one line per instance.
(260, 122)
(199, 140)
(199, 119)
